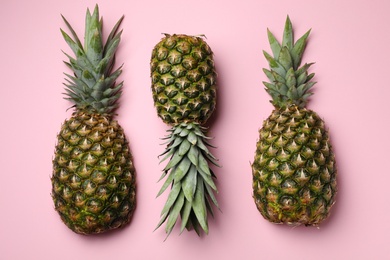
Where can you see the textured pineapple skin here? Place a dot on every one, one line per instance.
(294, 171)
(93, 181)
(183, 79)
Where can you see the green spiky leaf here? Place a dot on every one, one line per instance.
(287, 79)
(298, 49)
(275, 45)
(190, 177)
(93, 66)
(288, 37)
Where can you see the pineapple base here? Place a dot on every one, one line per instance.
(93, 182)
(294, 171)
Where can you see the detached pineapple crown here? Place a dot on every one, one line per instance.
(289, 83)
(92, 88)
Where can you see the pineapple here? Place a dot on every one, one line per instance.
(294, 171)
(93, 181)
(184, 93)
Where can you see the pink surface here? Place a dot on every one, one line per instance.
(350, 44)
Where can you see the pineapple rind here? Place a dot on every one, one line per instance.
(294, 171)
(93, 175)
(183, 79)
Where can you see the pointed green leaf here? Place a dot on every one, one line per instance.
(288, 39)
(77, 50)
(162, 220)
(114, 75)
(275, 65)
(291, 81)
(292, 94)
(176, 158)
(168, 153)
(177, 140)
(75, 37)
(184, 132)
(103, 66)
(199, 205)
(184, 147)
(209, 207)
(199, 130)
(302, 78)
(285, 59)
(275, 45)
(277, 77)
(281, 88)
(173, 194)
(176, 130)
(113, 34)
(95, 50)
(201, 145)
(185, 215)
(208, 179)
(167, 182)
(192, 137)
(303, 69)
(189, 183)
(93, 42)
(269, 86)
(309, 77)
(211, 195)
(203, 165)
(193, 155)
(174, 214)
(88, 18)
(298, 49)
(182, 169)
(269, 75)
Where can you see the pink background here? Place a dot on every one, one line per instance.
(350, 44)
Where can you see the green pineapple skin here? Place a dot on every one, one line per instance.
(93, 181)
(294, 170)
(183, 79)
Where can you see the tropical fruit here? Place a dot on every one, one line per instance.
(93, 181)
(294, 170)
(184, 92)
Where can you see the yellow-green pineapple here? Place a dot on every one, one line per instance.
(93, 181)
(294, 171)
(184, 93)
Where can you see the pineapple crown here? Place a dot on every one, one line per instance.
(289, 84)
(93, 86)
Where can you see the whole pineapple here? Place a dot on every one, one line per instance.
(184, 93)
(93, 182)
(294, 172)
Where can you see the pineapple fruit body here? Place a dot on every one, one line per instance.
(294, 169)
(183, 79)
(93, 181)
(93, 178)
(294, 179)
(184, 92)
